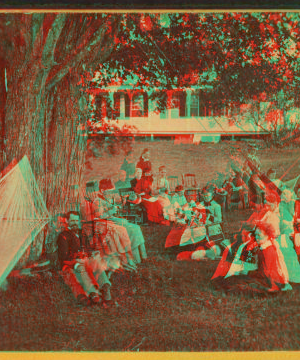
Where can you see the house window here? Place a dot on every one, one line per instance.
(194, 105)
(175, 106)
(163, 114)
(122, 106)
(101, 107)
(137, 106)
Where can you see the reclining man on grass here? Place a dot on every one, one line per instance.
(77, 262)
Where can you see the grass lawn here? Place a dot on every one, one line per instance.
(167, 305)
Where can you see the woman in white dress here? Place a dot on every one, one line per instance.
(118, 235)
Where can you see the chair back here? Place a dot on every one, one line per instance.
(189, 181)
(173, 182)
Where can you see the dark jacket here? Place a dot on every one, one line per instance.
(145, 165)
(140, 186)
(69, 244)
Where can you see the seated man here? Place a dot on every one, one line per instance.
(160, 181)
(139, 184)
(75, 259)
(213, 209)
(59, 224)
(122, 183)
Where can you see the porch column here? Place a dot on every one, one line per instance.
(188, 103)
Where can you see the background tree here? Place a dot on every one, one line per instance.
(48, 62)
(235, 57)
(42, 57)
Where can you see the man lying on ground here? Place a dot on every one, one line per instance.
(76, 260)
(59, 224)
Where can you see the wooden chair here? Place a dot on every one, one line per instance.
(234, 200)
(189, 181)
(125, 193)
(173, 182)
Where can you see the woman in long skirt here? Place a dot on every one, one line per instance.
(287, 210)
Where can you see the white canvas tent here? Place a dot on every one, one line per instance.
(23, 214)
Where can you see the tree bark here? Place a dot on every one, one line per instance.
(43, 119)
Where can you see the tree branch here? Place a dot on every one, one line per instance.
(50, 43)
(35, 30)
(103, 52)
(91, 48)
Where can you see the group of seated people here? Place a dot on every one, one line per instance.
(93, 244)
(241, 185)
(267, 246)
(179, 207)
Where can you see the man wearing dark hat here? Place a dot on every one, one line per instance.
(74, 256)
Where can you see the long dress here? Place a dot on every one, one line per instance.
(262, 264)
(250, 265)
(118, 235)
(297, 227)
(146, 167)
(273, 218)
(286, 245)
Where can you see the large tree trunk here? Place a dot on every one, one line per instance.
(49, 130)
(43, 120)
(65, 145)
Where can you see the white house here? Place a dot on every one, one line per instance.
(187, 113)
